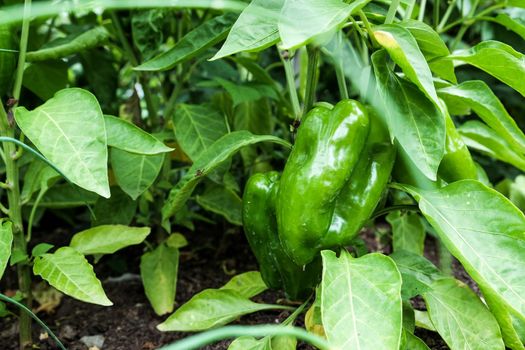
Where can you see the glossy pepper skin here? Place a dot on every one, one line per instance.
(327, 148)
(277, 269)
(457, 163)
(7, 57)
(361, 195)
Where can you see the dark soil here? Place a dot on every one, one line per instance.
(130, 323)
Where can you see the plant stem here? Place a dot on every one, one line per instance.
(391, 14)
(422, 9)
(369, 29)
(312, 77)
(13, 194)
(143, 78)
(446, 16)
(23, 308)
(17, 87)
(290, 81)
(435, 10)
(19, 240)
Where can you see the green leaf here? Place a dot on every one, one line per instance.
(129, 137)
(417, 272)
(6, 240)
(247, 284)
(192, 44)
(41, 249)
(68, 271)
(432, 47)
(497, 59)
(452, 307)
(414, 343)
(246, 92)
(222, 201)
(146, 30)
(254, 30)
(413, 119)
(159, 269)
(119, 209)
(135, 173)
(176, 240)
(480, 137)
(250, 343)
(212, 308)
(38, 176)
(404, 51)
(486, 233)
(69, 130)
(323, 18)
(74, 44)
(360, 296)
(197, 127)
(46, 78)
(66, 196)
(210, 159)
(517, 25)
(477, 95)
(408, 232)
(107, 239)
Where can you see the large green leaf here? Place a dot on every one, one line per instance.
(359, 297)
(408, 232)
(413, 119)
(247, 284)
(45, 78)
(499, 60)
(210, 159)
(515, 21)
(480, 137)
(6, 239)
(404, 51)
(197, 127)
(129, 137)
(477, 95)
(486, 233)
(135, 173)
(222, 201)
(192, 44)
(68, 271)
(159, 269)
(212, 308)
(107, 239)
(255, 29)
(432, 47)
(66, 196)
(452, 307)
(69, 130)
(417, 272)
(323, 17)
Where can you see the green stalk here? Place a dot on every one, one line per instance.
(422, 9)
(13, 193)
(312, 77)
(15, 215)
(290, 81)
(143, 78)
(446, 16)
(436, 12)
(22, 52)
(391, 14)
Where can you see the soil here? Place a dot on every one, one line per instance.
(130, 323)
